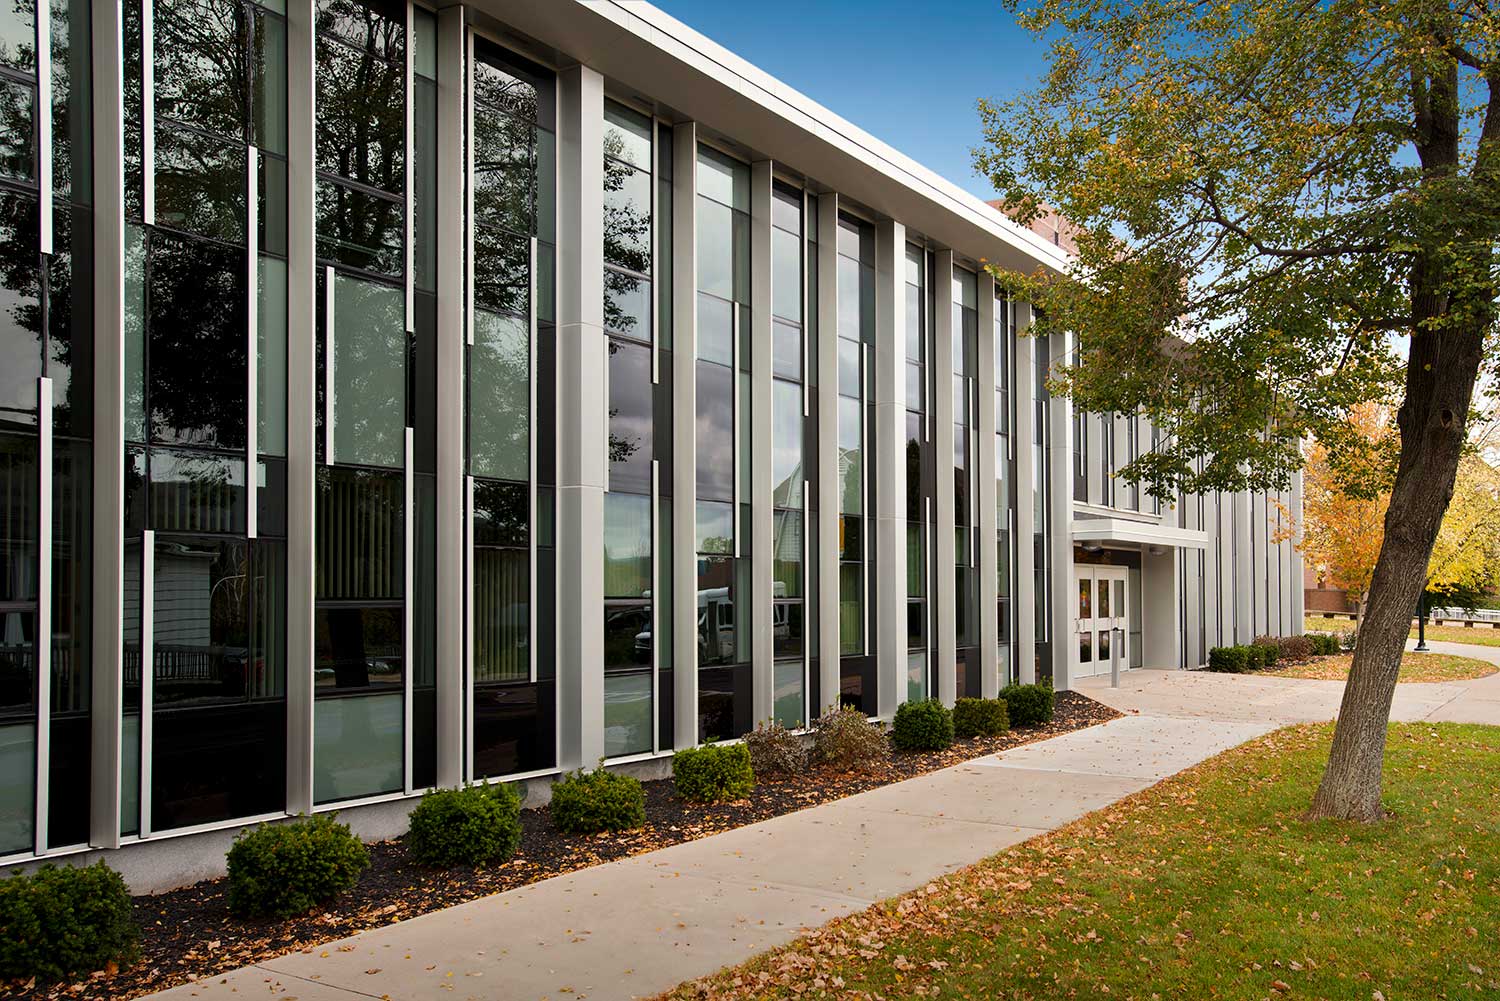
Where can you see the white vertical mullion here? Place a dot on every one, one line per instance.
(43, 611)
(409, 196)
(148, 673)
(148, 112)
(468, 667)
(655, 603)
(469, 190)
(736, 404)
(655, 284)
(44, 123)
(330, 333)
(408, 647)
(531, 487)
(807, 309)
(252, 337)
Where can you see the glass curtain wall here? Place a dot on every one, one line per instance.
(919, 482)
(789, 445)
(1004, 334)
(629, 679)
(723, 424)
(45, 333)
(856, 333)
(205, 522)
(1041, 501)
(965, 470)
(514, 685)
(364, 406)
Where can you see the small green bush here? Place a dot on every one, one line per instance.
(590, 802)
(281, 870)
(980, 718)
(1270, 649)
(775, 750)
(845, 738)
(926, 725)
(1295, 648)
(1348, 640)
(1229, 659)
(1254, 661)
(1028, 705)
(713, 773)
(1324, 644)
(62, 921)
(468, 826)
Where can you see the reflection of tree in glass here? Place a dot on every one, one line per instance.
(621, 447)
(20, 290)
(504, 170)
(361, 99)
(499, 397)
(369, 372)
(627, 234)
(201, 77)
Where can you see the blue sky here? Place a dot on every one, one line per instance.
(937, 58)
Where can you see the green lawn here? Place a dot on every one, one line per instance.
(1481, 635)
(1209, 885)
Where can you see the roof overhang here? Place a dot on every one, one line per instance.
(648, 51)
(1142, 533)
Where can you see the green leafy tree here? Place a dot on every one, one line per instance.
(1275, 201)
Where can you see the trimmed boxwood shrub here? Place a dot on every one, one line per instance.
(775, 750)
(845, 738)
(1269, 649)
(713, 773)
(925, 725)
(590, 802)
(468, 826)
(1229, 659)
(980, 718)
(1028, 705)
(281, 870)
(62, 921)
(1324, 644)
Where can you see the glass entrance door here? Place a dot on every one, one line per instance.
(1103, 619)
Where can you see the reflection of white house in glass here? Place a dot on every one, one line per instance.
(341, 457)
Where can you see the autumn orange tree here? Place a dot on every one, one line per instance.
(1285, 209)
(1344, 500)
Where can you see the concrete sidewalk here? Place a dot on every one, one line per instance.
(1266, 697)
(639, 926)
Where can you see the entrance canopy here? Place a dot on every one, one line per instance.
(1141, 533)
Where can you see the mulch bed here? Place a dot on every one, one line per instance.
(188, 934)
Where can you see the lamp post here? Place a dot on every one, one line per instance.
(1421, 646)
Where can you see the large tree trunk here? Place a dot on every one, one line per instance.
(1441, 369)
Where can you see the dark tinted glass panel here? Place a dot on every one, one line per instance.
(500, 513)
(218, 762)
(504, 164)
(630, 417)
(374, 25)
(851, 538)
(627, 304)
(200, 184)
(502, 270)
(199, 56)
(271, 204)
(715, 432)
(20, 312)
(358, 531)
(357, 647)
(197, 492)
(201, 637)
(916, 625)
(627, 545)
(786, 628)
(627, 636)
(360, 101)
(424, 182)
(17, 150)
(499, 397)
(502, 615)
(514, 728)
(69, 325)
(627, 216)
(359, 229)
(18, 518)
(196, 376)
